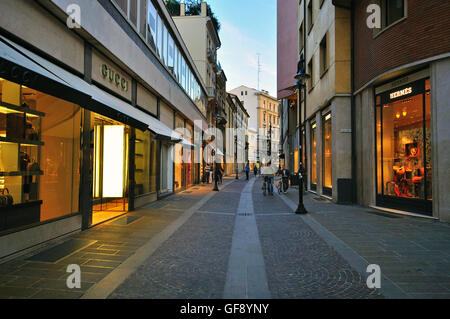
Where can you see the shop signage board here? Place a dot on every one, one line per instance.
(109, 75)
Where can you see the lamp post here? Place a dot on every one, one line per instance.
(235, 156)
(269, 147)
(300, 77)
(215, 168)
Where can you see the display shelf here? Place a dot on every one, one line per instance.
(25, 204)
(21, 141)
(139, 155)
(22, 173)
(10, 108)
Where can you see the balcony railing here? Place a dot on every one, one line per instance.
(211, 56)
(211, 92)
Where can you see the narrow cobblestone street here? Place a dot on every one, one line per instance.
(237, 243)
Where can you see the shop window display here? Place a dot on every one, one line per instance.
(142, 163)
(314, 154)
(179, 167)
(39, 156)
(327, 153)
(145, 163)
(404, 143)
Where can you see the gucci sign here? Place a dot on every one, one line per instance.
(114, 77)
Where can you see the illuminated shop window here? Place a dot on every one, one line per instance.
(314, 154)
(39, 155)
(327, 152)
(404, 142)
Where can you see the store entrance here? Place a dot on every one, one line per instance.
(109, 153)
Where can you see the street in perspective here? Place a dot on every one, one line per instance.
(224, 157)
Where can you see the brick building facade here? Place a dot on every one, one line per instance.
(400, 113)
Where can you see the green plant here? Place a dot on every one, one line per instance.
(193, 7)
(173, 6)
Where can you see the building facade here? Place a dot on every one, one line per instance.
(203, 41)
(376, 103)
(326, 100)
(97, 116)
(287, 58)
(263, 119)
(401, 110)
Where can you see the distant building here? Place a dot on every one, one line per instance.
(263, 111)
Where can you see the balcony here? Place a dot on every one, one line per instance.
(211, 56)
(215, 67)
(211, 93)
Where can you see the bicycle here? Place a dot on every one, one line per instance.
(279, 187)
(264, 186)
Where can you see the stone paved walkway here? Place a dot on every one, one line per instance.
(238, 243)
(413, 253)
(299, 262)
(20, 278)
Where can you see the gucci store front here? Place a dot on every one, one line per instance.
(72, 154)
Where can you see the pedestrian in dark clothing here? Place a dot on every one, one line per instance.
(247, 170)
(255, 170)
(219, 173)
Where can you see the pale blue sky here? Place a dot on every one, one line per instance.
(248, 27)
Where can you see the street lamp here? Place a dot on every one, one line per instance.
(218, 119)
(300, 77)
(235, 157)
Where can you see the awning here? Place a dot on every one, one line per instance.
(162, 131)
(68, 86)
(97, 100)
(187, 143)
(16, 66)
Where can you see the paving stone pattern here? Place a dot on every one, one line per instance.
(193, 262)
(299, 264)
(414, 253)
(20, 278)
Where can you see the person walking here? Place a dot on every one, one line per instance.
(247, 170)
(219, 173)
(269, 173)
(255, 170)
(284, 173)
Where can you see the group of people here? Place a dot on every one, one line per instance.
(267, 171)
(209, 173)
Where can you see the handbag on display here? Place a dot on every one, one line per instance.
(6, 199)
(24, 160)
(33, 167)
(30, 132)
